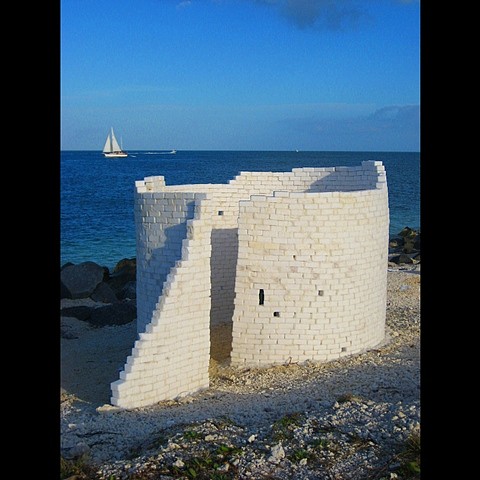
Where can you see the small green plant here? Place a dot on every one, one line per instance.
(283, 427)
(410, 457)
(225, 450)
(79, 467)
(192, 434)
(299, 454)
(320, 444)
(201, 466)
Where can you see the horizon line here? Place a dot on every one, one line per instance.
(239, 150)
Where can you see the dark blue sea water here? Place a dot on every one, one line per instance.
(96, 206)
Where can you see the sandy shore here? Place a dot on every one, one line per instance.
(372, 397)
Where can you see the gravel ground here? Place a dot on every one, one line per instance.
(347, 419)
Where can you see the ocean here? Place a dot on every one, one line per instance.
(96, 193)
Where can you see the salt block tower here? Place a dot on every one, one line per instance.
(294, 263)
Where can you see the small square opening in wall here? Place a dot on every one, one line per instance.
(344, 349)
(276, 314)
(320, 293)
(220, 212)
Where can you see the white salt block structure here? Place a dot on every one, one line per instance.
(293, 264)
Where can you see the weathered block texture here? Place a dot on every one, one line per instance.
(297, 261)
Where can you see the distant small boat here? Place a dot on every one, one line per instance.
(112, 149)
(173, 151)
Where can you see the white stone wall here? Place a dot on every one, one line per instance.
(320, 262)
(314, 240)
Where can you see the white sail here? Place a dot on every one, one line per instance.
(115, 145)
(108, 145)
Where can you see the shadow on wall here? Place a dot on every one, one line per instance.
(223, 265)
(341, 181)
(161, 260)
(165, 256)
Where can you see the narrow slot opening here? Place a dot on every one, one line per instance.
(261, 297)
(320, 293)
(276, 314)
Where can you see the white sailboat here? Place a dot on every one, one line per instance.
(112, 149)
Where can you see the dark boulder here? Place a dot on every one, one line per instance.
(64, 292)
(395, 242)
(104, 293)
(408, 232)
(126, 264)
(125, 271)
(411, 241)
(402, 258)
(81, 312)
(106, 273)
(406, 241)
(82, 279)
(128, 291)
(416, 243)
(408, 246)
(114, 314)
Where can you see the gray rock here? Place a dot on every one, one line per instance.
(408, 232)
(408, 245)
(416, 243)
(124, 272)
(114, 314)
(82, 279)
(402, 258)
(277, 453)
(104, 293)
(395, 243)
(128, 291)
(126, 264)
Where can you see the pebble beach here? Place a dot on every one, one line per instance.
(354, 418)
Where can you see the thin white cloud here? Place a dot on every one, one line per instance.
(184, 4)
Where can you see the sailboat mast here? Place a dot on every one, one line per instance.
(111, 139)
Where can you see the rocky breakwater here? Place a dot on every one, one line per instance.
(404, 249)
(91, 293)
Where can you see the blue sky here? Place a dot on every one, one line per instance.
(241, 74)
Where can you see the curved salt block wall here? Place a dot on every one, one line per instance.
(311, 276)
(296, 260)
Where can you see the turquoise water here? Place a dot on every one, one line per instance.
(96, 204)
